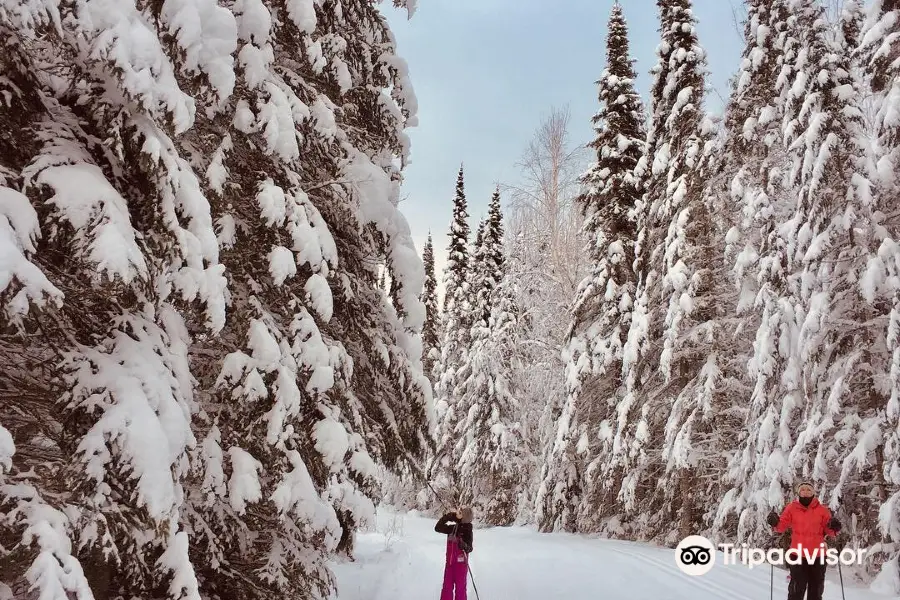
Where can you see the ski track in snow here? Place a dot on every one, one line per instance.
(403, 559)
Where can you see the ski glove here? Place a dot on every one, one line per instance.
(772, 519)
(464, 546)
(834, 524)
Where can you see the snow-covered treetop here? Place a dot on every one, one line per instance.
(458, 247)
(610, 185)
(678, 76)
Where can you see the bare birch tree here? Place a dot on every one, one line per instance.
(548, 263)
(542, 209)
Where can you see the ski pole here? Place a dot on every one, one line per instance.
(438, 496)
(472, 577)
(841, 575)
(841, 547)
(428, 483)
(772, 581)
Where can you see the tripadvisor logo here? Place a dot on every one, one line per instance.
(695, 555)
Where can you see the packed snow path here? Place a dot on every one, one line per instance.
(403, 560)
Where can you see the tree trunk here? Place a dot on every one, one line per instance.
(687, 506)
(98, 574)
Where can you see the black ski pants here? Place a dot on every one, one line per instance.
(808, 578)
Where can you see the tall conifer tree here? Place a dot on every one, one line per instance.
(477, 277)
(455, 338)
(673, 234)
(602, 308)
(489, 267)
(490, 450)
(878, 52)
(432, 327)
(753, 197)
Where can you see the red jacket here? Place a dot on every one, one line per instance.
(808, 524)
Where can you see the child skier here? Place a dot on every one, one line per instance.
(458, 528)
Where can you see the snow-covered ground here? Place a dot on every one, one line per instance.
(403, 560)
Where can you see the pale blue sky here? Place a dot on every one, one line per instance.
(486, 71)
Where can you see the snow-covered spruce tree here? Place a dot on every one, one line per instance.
(402, 488)
(455, 338)
(484, 273)
(819, 365)
(302, 342)
(841, 363)
(449, 442)
(489, 261)
(716, 419)
(494, 239)
(105, 246)
(431, 346)
(637, 358)
(212, 188)
(663, 359)
(756, 200)
(878, 51)
(602, 306)
(491, 447)
(457, 250)
(477, 284)
(706, 380)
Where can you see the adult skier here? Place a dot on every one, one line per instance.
(809, 521)
(458, 528)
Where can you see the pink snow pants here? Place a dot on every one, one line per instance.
(455, 578)
(455, 572)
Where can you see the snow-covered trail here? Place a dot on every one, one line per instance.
(403, 560)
